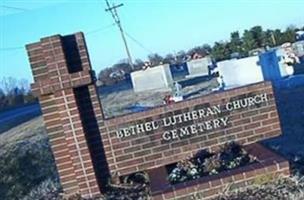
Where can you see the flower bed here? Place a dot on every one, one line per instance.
(206, 163)
(264, 163)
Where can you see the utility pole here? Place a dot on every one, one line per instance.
(115, 16)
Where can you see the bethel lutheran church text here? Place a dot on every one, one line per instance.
(196, 128)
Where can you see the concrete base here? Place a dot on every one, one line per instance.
(195, 75)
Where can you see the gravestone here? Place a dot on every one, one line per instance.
(238, 72)
(87, 147)
(299, 48)
(153, 78)
(199, 67)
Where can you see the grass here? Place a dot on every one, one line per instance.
(27, 169)
(26, 160)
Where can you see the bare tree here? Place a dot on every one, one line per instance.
(14, 92)
(155, 59)
(8, 84)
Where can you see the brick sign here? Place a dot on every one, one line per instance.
(164, 135)
(195, 117)
(87, 148)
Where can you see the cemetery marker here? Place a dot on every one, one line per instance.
(88, 148)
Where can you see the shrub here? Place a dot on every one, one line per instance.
(208, 163)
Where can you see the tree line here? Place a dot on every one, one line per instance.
(14, 92)
(240, 44)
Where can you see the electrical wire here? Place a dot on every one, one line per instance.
(100, 29)
(14, 8)
(87, 33)
(139, 43)
(11, 48)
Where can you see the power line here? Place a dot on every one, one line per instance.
(87, 33)
(11, 48)
(138, 43)
(100, 29)
(115, 16)
(14, 8)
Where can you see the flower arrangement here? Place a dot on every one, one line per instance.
(204, 163)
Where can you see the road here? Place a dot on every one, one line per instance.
(13, 117)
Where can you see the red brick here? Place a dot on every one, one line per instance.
(283, 165)
(262, 129)
(128, 155)
(260, 117)
(270, 121)
(272, 168)
(252, 125)
(239, 176)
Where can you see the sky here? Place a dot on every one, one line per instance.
(159, 26)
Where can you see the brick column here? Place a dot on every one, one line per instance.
(71, 111)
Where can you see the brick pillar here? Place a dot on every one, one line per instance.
(72, 114)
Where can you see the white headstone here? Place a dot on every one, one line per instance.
(240, 72)
(153, 78)
(299, 48)
(199, 67)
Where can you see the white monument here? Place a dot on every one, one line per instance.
(288, 57)
(199, 67)
(238, 72)
(152, 78)
(299, 48)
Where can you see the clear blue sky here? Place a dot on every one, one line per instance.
(161, 26)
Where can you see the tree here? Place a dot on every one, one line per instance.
(235, 42)
(251, 39)
(8, 84)
(104, 76)
(169, 59)
(249, 42)
(3, 99)
(14, 92)
(199, 50)
(258, 36)
(277, 34)
(122, 65)
(180, 57)
(220, 51)
(155, 59)
(289, 35)
(270, 40)
(17, 97)
(29, 97)
(24, 85)
(207, 48)
(138, 63)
